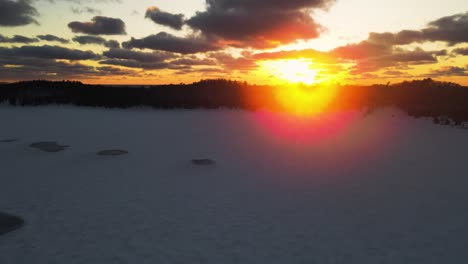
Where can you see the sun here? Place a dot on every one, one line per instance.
(299, 88)
(291, 71)
(305, 101)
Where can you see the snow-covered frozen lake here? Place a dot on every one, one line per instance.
(344, 188)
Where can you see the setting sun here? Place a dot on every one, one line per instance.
(305, 100)
(300, 90)
(292, 71)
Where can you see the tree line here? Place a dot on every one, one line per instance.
(446, 102)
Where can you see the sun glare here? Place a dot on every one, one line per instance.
(305, 100)
(301, 89)
(292, 71)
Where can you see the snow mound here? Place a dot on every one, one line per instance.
(112, 152)
(9, 223)
(48, 146)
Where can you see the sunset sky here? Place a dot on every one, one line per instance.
(259, 41)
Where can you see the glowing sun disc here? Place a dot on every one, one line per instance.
(305, 101)
(293, 71)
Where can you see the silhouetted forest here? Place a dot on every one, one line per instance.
(446, 103)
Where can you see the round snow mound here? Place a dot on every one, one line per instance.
(49, 146)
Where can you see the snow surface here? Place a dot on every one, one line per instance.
(380, 188)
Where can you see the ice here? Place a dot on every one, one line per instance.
(380, 188)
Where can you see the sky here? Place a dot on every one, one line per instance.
(259, 41)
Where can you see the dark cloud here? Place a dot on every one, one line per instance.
(142, 60)
(381, 55)
(175, 21)
(383, 50)
(449, 71)
(137, 59)
(399, 58)
(154, 60)
(17, 39)
(461, 51)
(243, 63)
(44, 69)
(259, 24)
(108, 70)
(83, 40)
(194, 61)
(362, 50)
(99, 25)
(17, 13)
(89, 40)
(136, 64)
(56, 70)
(47, 52)
(46, 62)
(112, 44)
(417, 56)
(167, 42)
(52, 38)
(450, 29)
(138, 56)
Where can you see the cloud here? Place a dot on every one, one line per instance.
(157, 65)
(17, 13)
(56, 70)
(175, 21)
(399, 58)
(84, 40)
(243, 63)
(46, 52)
(191, 60)
(44, 69)
(47, 62)
(17, 39)
(99, 25)
(52, 38)
(361, 50)
(138, 56)
(112, 44)
(384, 50)
(167, 42)
(258, 24)
(449, 71)
(137, 59)
(451, 29)
(155, 60)
(461, 51)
